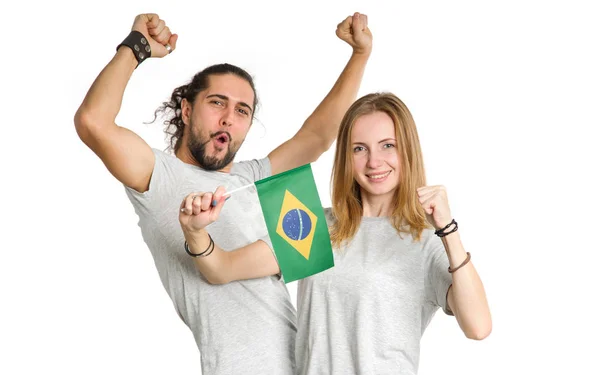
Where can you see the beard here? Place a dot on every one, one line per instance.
(197, 146)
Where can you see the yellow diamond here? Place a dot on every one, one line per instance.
(296, 224)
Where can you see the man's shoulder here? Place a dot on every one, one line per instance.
(252, 169)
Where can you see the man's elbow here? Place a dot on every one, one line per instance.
(215, 278)
(82, 122)
(326, 145)
(314, 143)
(319, 147)
(85, 123)
(480, 332)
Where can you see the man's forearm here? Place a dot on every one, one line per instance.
(214, 265)
(326, 118)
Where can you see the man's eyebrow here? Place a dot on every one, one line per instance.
(224, 97)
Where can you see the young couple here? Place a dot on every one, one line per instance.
(398, 255)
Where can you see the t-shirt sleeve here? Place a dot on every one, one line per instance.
(266, 239)
(253, 170)
(437, 278)
(161, 182)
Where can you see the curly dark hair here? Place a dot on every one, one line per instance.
(174, 125)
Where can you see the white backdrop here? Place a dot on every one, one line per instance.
(505, 96)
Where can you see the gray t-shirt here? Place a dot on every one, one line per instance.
(243, 327)
(367, 314)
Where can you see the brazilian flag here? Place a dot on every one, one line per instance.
(296, 223)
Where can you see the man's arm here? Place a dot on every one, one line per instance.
(218, 266)
(320, 129)
(126, 155)
(221, 267)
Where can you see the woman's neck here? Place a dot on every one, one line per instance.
(376, 206)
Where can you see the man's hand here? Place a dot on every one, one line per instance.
(201, 209)
(157, 32)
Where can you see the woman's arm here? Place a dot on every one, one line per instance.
(466, 296)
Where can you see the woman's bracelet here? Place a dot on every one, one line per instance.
(441, 233)
(467, 259)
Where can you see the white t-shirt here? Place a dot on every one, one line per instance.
(243, 327)
(366, 315)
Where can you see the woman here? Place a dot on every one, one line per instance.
(392, 271)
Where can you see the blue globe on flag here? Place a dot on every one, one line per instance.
(296, 224)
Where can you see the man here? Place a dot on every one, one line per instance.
(245, 327)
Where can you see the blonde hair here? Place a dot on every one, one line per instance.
(407, 215)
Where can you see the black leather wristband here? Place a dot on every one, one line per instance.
(442, 232)
(139, 46)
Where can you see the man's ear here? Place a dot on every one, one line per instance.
(186, 111)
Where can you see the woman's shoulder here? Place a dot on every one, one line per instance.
(328, 215)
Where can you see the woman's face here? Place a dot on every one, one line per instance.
(375, 155)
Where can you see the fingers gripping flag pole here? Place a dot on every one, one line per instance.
(296, 223)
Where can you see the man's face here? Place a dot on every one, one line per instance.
(219, 121)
